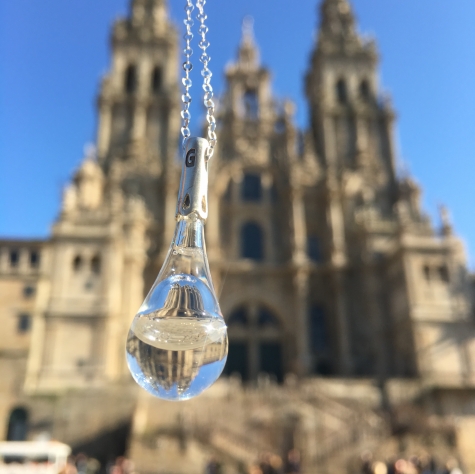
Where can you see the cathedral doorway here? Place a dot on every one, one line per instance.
(255, 343)
(17, 425)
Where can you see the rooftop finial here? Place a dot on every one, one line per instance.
(248, 52)
(248, 28)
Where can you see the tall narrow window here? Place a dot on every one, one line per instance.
(365, 91)
(341, 92)
(14, 258)
(156, 79)
(77, 263)
(252, 242)
(318, 330)
(96, 264)
(251, 104)
(24, 323)
(130, 80)
(313, 248)
(34, 259)
(251, 187)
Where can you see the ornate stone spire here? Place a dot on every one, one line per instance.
(248, 51)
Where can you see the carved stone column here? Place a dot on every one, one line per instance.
(139, 122)
(301, 284)
(299, 251)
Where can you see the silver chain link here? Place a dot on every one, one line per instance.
(206, 73)
(187, 67)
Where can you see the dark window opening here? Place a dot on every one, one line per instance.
(265, 318)
(77, 263)
(237, 361)
(34, 259)
(313, 248)
(28, 291)
(130, 83)
(18, 425)
(317, 329)
(252, 242)
(251, 187)
(238, 317)
(251, 104)
(96, 264)
(156, 79)
(24, 323)
(341, 92)
(365, 91)
(324, 367)
(443, 274)
(270, 355)
(14, 258)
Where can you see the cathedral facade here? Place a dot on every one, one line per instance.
(326, 265)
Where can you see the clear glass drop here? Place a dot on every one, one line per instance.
(177, 344)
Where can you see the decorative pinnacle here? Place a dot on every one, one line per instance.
(248, 52)
(248, 29)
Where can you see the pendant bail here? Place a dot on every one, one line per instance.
(193, 191)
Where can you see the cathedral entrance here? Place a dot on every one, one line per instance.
(17, 425)
(255, 343)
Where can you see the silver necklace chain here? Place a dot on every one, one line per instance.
(205, 72)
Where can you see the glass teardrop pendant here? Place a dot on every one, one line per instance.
(177, 344)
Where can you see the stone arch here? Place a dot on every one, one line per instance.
(17, 429)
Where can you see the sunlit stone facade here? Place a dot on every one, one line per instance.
(325, 263)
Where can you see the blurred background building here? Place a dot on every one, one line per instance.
(350, 316)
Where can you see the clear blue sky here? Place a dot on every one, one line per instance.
(53, 52)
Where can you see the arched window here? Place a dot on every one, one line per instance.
(130, 79)
(17, 425)
(365, 91)
(96, 264)
(251, 189)
(251, 104)
(252, 245)
(238, 317)
(266, 318)
(156, 82)
(341, 92)
(77, 263)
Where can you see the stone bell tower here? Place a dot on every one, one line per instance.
(106, 244)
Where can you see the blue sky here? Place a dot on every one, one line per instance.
(53, 52)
